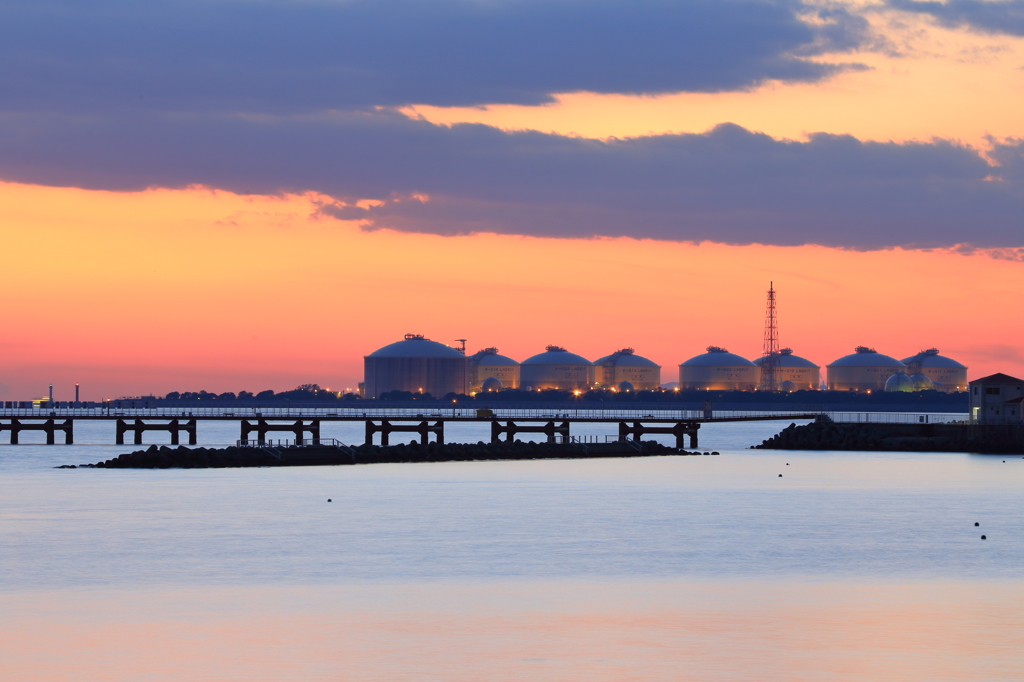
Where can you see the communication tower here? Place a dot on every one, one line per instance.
(770, 351)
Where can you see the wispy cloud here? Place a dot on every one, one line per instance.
(1003, 16)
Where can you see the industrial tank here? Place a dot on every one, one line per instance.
(415, 364)
(626, 367)
(556, 368)
(864, 370)
(801, 372)
(719, 370)
(899, 383)
(945, 373)
(489, 364)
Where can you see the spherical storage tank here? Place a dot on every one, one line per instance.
(719, 370)
(802, 373)
(415, 364)
(488, 364)
(944, 373)
(864, 370)
(556, 368)
(626, 367)
(899, 382)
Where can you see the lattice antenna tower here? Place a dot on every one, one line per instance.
(770, 352)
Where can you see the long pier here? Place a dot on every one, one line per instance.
(304, 423)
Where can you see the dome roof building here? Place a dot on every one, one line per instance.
(863, 370)
(719, 370)
(801, 372)
(556, 368)
(488, 364)
(626, 367)
(945, 373)
(415, 364)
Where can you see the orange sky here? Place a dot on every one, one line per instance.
(134, 293)
(149, 292)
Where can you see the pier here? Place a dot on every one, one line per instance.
(505, 424)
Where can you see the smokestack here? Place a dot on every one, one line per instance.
(76, 393)
(51, 394)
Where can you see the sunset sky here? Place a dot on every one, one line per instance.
(239, 195)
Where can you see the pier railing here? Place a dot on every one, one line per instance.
(466, 414)
(898, 417)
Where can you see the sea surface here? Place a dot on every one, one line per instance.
(850, 566)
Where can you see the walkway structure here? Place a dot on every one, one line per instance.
(505, 424)
(50, 426)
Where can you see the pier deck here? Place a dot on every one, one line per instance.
(306, 422)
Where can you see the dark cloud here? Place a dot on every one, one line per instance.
(728, 185)
(1005, 16)
(282, 57)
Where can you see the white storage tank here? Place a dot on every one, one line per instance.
(556, 368)
(801, 372)
(489, 364)
(719, 370)
(626, 367)
(863, 370)
(415, 364)
(944, 373)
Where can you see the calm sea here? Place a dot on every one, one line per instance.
(851, 566)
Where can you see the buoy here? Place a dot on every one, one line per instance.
(780, 475)
(787, 463)
(982, 537)
(976, 524)
(329, 499)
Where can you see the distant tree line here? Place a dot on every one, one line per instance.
(305, 393)
(312, 392)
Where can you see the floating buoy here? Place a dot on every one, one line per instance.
(983, 537)
(976, 524)
(787, 463)
(780, 475)
(329, 499)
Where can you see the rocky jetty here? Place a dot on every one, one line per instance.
(164, 457)
(827, 435)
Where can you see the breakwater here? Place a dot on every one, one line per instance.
(164, 457)
(827, 435)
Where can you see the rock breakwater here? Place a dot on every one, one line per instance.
(827, 435)
(164, 457)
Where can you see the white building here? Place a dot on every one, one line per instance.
(996, 399)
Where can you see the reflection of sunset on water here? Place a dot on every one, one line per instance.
(539, 631)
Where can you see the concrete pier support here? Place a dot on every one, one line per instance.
(50, 427)
(138, 427)
(511, 428)
(387, 427)
(299, 428)
(680, 430)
